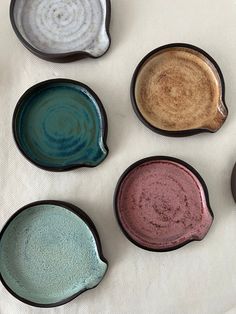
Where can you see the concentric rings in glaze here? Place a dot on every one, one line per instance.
(162, 203)
(50, 253)
(179, 90)
(60, 125)
(55, 28)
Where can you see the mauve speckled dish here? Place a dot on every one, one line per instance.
(62, 30)
(61, 125)
(50, 253)
(162, 203)
(179, 90)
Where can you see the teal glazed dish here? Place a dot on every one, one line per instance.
(50, 253)
(61, 125)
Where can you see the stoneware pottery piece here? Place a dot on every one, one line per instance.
(178, 90)
(62, 30)
(60, 125)
(233, 182)
(50, 253)
(162, 203)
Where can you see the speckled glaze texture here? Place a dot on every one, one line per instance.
(161, 204)
(56, 28)
(179, 89)
(49, 254)
(60, 125)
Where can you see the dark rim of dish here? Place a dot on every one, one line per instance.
(133, 83)
(137, 164)
(31, 91)
(233, 182)
(87, 220)
(60, 57)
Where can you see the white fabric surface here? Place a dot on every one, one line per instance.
(199, 278)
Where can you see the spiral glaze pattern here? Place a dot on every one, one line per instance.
(49, 254)
(161, 204)
(178, 89)
(60, 125)
(63, 26)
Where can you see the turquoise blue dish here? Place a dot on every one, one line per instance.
(60, 125)
(50, 253)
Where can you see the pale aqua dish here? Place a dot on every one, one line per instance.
(50, 252)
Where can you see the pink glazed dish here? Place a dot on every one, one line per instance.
(162, 203)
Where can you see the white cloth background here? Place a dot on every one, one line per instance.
(199, 278)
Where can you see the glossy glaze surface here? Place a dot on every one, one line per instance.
(49, 254)
(179, 89)
(58, 27)
(59, 125)
(162, 205)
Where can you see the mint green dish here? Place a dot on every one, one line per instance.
(50, 253)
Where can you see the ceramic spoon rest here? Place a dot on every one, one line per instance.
(60, 125)
(50, 253)
(162, 203)
(62, 30)
(178, 90)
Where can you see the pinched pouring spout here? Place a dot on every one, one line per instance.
(162, 203)
(62, 31)
(215, 122)
(178, 90)
(50, 253)
(60, 125)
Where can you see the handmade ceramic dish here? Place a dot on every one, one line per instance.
(178, 90)
(60, 125)
(50, 253)
(162, 203)
(63, 30)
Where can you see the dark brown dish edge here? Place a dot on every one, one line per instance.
(103, 115)
(138, 163)
(132, 91)
(87, 220)
(63, 57)
(233, 183)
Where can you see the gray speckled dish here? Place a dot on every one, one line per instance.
(62, 30)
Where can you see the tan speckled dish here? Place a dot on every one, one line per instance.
(178, 90)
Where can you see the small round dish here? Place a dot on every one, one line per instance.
(161, 203)
(63, 30)
(179, 90)
(50, 253)
(61, 125)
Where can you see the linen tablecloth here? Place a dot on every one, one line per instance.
(199, 278)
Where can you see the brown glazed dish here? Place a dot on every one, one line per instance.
(178, 90)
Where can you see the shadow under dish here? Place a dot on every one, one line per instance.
(61, 125)
(50, 253)
(62, 31)
(178, 90)
(162, 203)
